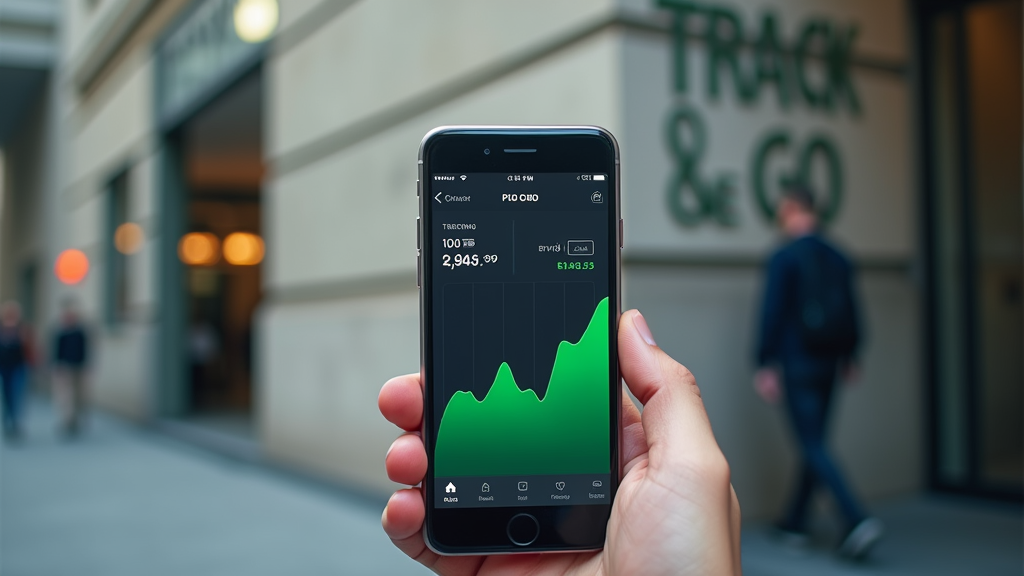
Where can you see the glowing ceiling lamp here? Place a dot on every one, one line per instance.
(255, 20)
(243, 249)
(199, 249)
(128, 238)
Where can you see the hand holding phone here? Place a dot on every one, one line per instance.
(675, 511)
(519, 240)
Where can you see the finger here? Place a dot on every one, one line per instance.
(403, 522)
(674, 420)
(735, 519)
(401, 401)
(404, 513)
(634, 444)
(406, 460)
(630, 413)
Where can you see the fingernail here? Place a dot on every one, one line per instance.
(643, 328)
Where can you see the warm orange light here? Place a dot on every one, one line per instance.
(71, 266)
(128, 238)
(199, 249)
(243, 249)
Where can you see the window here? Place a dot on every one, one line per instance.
(122, 239)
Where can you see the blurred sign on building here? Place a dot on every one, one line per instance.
(812, 70)
(197, 56)
(746, 98)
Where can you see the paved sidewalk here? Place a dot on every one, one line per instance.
(125, 501)
(925, 535)
(122, 501)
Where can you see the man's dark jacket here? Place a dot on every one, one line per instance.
(781, 340)
(71, 349)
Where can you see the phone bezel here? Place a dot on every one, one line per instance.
(465, 531)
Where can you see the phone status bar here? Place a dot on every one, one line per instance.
(518, 177)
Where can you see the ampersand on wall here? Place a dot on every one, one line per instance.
(691, 198)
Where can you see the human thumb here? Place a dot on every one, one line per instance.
(674, 420)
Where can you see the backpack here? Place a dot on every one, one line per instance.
(828, 323)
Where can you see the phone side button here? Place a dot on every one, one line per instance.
(621, 239)
(523, 529)
(419, 267)
(417, 232)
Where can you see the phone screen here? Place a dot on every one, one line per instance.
(522, 270)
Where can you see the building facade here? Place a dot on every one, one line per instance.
(246, 202)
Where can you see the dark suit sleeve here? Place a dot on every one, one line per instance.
(771, 311)
(858, 320)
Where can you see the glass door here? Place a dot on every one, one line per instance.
(972, 78)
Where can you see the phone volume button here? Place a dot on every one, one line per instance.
(419, 268)
(417, 233)
(621, 239)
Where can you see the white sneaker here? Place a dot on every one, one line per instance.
(861, 538)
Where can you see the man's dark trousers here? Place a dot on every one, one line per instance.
(809, 386)
(11, 380)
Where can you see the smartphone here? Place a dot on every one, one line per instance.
(519, 255)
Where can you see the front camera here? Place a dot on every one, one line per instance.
(487, 150)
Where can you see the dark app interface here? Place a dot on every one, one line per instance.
(521, 314)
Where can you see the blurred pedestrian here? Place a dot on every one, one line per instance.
(810, 333)
(71, 348)
(15, 357)
(203, 352)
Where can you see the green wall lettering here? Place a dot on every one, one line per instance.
(691, 199)
(821, 46)
(681, 12)
(838, 56)
(821, 145)
(816, 71)
(757, 176)
(769, 61)
(819, 96)
(817, 145)
(724, 37)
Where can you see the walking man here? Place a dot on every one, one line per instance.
(809, 336)
(15, 353)
(70, 355)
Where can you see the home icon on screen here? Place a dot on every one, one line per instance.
(450, 488)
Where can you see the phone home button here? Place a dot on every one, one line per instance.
(523, 529)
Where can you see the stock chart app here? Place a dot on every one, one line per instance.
(521, 276)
